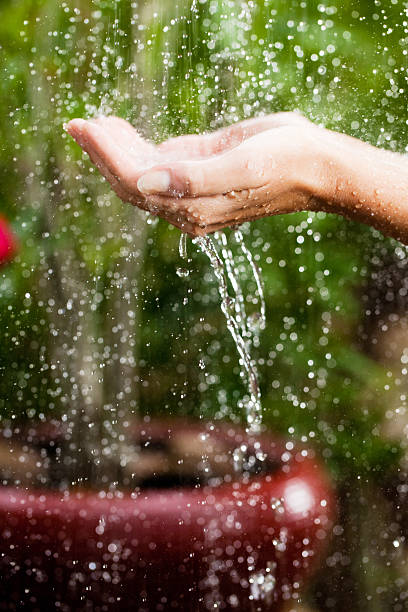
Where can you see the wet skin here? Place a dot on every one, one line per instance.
(281, 163)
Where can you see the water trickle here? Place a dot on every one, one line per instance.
(183, 246)
(241, 330)
(182, 271)
(260, 317)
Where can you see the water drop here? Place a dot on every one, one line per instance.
(182, 272)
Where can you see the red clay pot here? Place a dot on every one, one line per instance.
(245, 545)
(8, 242)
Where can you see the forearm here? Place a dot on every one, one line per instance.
(364, 183)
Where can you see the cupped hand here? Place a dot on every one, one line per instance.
(255, 168)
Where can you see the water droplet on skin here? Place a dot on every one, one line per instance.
(231, 194)
(151, 219)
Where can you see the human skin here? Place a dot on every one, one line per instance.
(281, 163)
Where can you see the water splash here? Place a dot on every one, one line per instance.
(237, 320)
(262, 584)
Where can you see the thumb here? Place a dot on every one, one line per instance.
(237, 169)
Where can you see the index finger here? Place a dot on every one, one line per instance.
(102, 148)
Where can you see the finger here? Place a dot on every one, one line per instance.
(117, 186)
(193, 146)
(198, 146)
(233, 135)
(240, 168)
(172, 211)
(99, 144)
(114, 182)
(203, 145)
(202, 212)
(127, 137)
(201, 216)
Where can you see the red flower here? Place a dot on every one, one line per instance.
(8, 241)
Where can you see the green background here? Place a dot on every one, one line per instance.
(96, 326)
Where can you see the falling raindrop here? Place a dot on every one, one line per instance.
(182, 272)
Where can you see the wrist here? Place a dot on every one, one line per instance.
(312, 164)
(328, 173)
(362, 183)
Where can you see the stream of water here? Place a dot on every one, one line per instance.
(244, 329)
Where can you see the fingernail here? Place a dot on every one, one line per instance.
(154, 182)
(74, 124)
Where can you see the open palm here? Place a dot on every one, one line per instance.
(201, 183)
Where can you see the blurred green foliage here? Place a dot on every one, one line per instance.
(95, 284)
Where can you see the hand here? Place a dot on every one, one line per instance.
(281, 163)
(202, 183)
